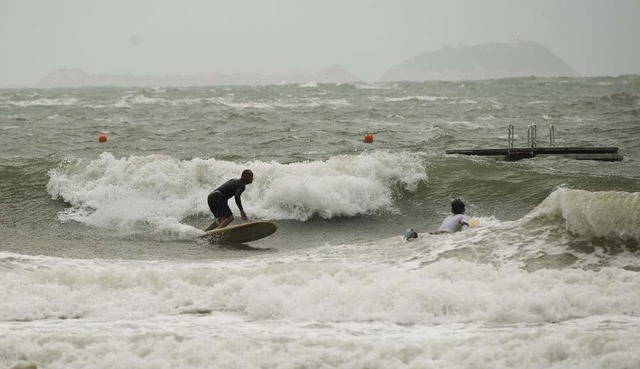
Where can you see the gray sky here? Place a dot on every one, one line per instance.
(595, 37)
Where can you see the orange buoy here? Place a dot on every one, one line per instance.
(102, 137)
(368, 138)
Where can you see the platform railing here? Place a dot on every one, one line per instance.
(532, 132)
(510, 138)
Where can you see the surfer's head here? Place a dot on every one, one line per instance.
(247, 176)
(457, 206)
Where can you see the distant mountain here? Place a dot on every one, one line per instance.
(79, 78)
(486, 61)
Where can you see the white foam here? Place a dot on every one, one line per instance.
(375, 86)
(467, 124)
(311, 84)
(225, 341)
(552, 235)
(465, 102)
(610, 214)
(160, 191)
(414, 98)
(290, 288)
(64, 101)
(337, 306)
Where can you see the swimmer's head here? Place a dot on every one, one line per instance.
(457, 206)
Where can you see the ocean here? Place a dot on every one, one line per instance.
(102, 266)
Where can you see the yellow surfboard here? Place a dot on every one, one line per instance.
(241, 233)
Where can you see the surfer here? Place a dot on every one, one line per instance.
(457, 221)
(217, 200)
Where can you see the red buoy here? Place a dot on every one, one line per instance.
(102, 137)
(368, 138)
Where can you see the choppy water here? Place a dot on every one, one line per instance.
(101, 265)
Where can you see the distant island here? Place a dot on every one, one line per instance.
(486, 61)
(79, 78)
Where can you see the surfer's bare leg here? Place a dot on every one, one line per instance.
(213, 225)
(225, 222)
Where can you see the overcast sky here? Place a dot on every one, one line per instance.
(595, 37)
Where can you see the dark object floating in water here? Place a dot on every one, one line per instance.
(511, 153)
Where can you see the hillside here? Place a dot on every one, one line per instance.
(486, 61)
(79, 78)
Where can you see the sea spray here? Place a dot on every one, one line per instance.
(161, 191)
(609, 214)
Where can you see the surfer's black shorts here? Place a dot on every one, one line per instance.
(218, 205)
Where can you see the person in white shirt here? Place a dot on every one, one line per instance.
(458, 221)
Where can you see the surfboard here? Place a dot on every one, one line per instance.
(241, 233)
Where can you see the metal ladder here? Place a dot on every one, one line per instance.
(510, 137)
(532, 137)
(532, 133)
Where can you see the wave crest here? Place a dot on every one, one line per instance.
(608, 214)
(161, 191)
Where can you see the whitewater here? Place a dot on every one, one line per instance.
(102, 266)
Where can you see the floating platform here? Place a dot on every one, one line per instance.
(532, 150)
(517, 153)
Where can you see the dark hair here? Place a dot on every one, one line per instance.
(457, 206)
(246, 172)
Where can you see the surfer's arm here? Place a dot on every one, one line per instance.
(243, 215)
(464, 223)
